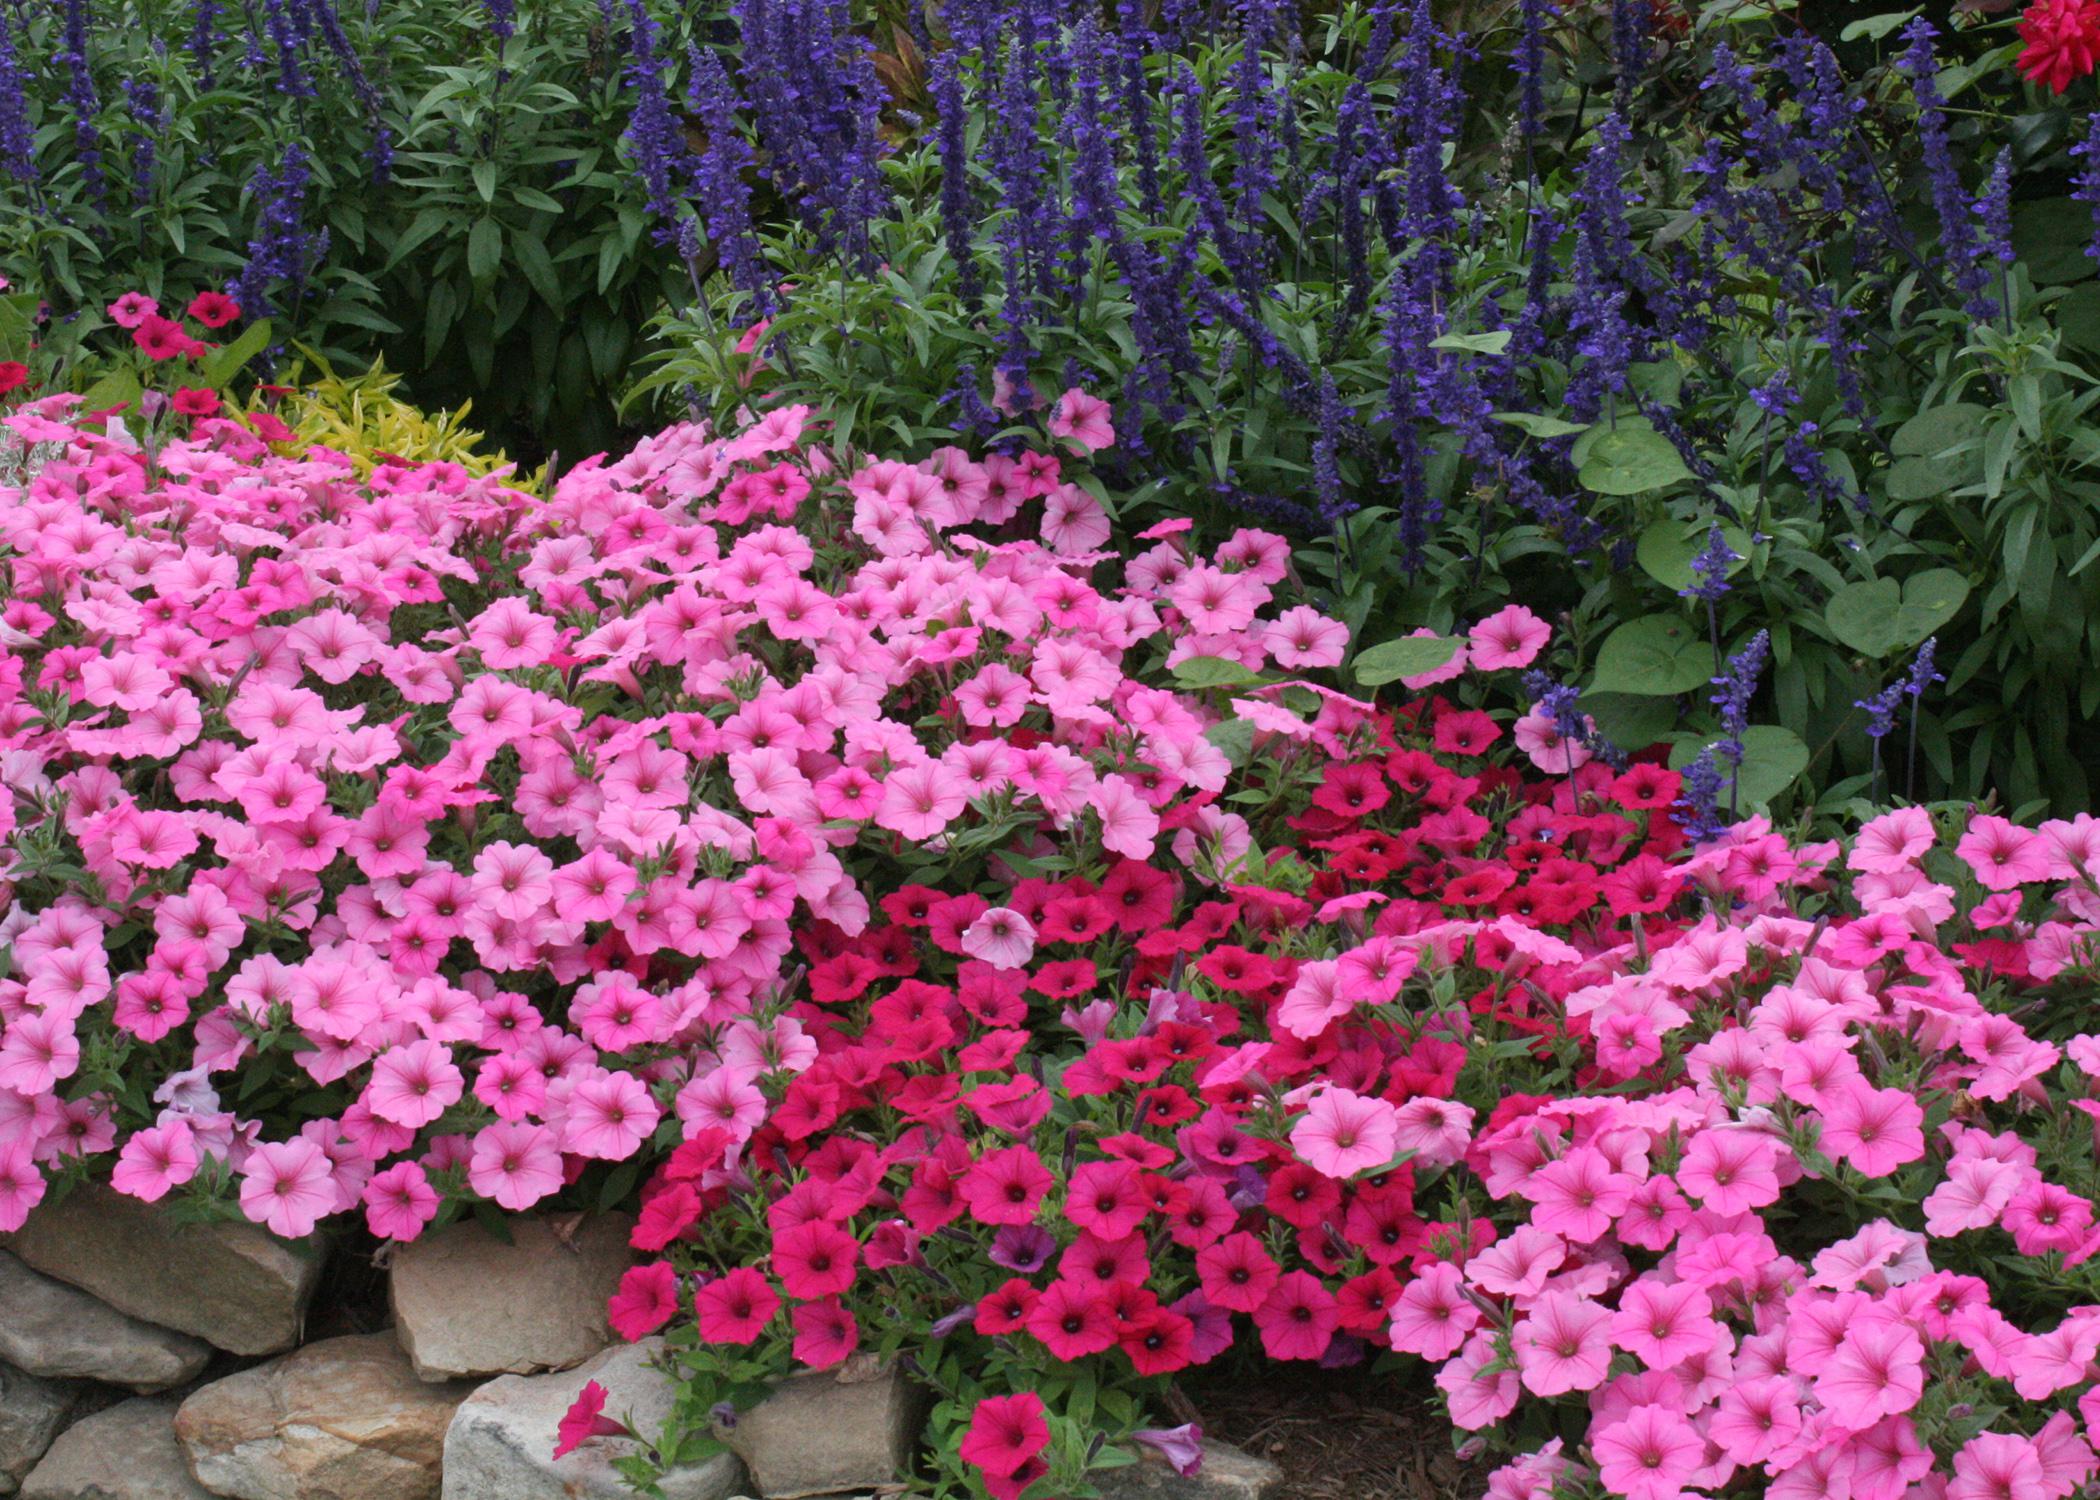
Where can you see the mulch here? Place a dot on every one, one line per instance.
(1339, 1434)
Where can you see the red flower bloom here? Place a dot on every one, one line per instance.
(1303, 1197)
(1005, 1433)
(2062, 42)
(825, 1333)
(1006, 1310)
(584, 1420)
(1200, 1213)
(12, 373)
(1072, 1320)
(1006, 1186)
(161, 338)
(1107, 1198)
(1365, 1303)
(1647, 787)
(1139, 896)
(736, 1308)
(1299, 1319)
(195, 401)
(666, 1216)
(1066, 978)
(1161, 1344)
(647, 1299)
(214, 309)
(1237, 1273)
(1090, 1258)
(814, 1260)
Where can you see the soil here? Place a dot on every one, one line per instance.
(1339, 1434)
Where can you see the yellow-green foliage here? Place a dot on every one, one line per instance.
(360, 416)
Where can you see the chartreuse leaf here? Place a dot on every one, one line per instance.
(1653, 657)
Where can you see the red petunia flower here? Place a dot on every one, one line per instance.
(736, 1308)
(196, 401)
(816, 1259)
(584, 1420)
(1073, 1319)
(214, 309)
(1005, 1433)
(647, 1299)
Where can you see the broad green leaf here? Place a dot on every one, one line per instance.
(1936, 429)
(1666, 549)
(2050, 236)
(1882, 617)
(1410, 656)
(1474, 343)
(1773, 760)
(1629, 459)
(1213, 672)
(119, 388)
(223, 363)
(1921, 478)
(1655, 656)
(1540, 427)
(1629, 722)
(1874, 28)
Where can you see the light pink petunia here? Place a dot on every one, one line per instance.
(1649, 1454)
(1563, 1344)
(1876, 1371)
(1509, 638)
(515, 1163)
(288, 1187)
(2003, 855)
(156, 1160)
(1874, 1131)
(1001, 936)
(1343, 1133)
(1084, 420)
(1663, 1323)
(414, 1083)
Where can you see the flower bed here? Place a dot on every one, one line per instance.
(970, 947)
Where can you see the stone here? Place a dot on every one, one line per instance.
(830, 1433)
(501, 1443)
(342, 1419)
(230, 1284)
(467, 1304)
(1227, 1474)
(33, 1411)
(126, 1452)
(62, 1333)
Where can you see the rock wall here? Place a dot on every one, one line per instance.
(145, 1359)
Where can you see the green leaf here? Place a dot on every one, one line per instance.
(1874, 28)
(1410, 656)
(1936, 429)
(485, 180)
(1882, 617)
(1538, 426)
(1213, 672)
(1666, 549)
(2050, 236)
(484, 249)
(1655, 656)
(223, 363)
(1920, 479)
(1631, 723)
(119, 388)
(1631, 458)
(1474, 343)
(1773, 760)
(538, 269)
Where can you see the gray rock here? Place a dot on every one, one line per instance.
(343, 1419)
(1227, 1474)
(830, 1434)
(62, 1333)
(501, 1442)
(127, 1452)
(33, 1412)
(466, 1304)
(231, 1285)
